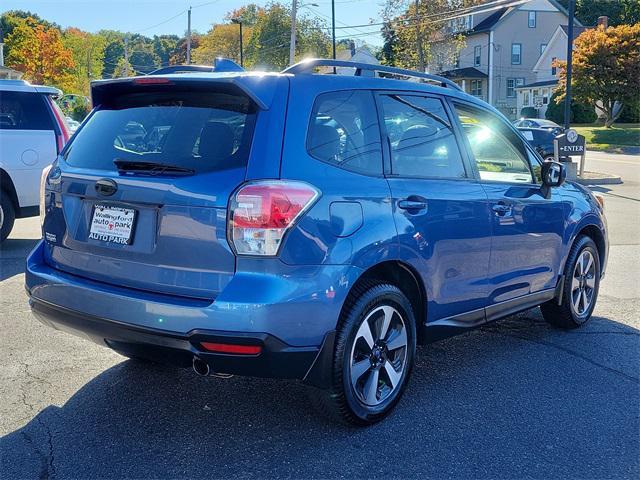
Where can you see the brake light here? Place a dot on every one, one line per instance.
(151, 81)
(231, 348)
(62, 135)
(261, 213)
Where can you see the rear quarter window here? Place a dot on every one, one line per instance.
(344, 131)
(201, 131)
(24, 111)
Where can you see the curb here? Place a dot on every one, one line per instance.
(603, 180)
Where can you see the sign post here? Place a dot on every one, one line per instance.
(567, 145)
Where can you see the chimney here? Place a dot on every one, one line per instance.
(603, 21)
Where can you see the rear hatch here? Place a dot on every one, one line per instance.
(144, 187)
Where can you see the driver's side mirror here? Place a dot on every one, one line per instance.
(553, 175)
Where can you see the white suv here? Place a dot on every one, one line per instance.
(32, 132)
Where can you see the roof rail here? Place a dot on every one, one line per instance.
(367, 70)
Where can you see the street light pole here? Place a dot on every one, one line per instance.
(292, 43)
(239, 22)
(189, 36)
(567, 98)
(294, 15)
(333, 28)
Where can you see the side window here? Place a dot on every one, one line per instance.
(24, 111)
(499, 153)
(344, 131)
(421, 139)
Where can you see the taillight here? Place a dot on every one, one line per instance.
(62, 135)
(43, 186)
(261, 213)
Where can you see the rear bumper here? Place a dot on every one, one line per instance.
(289, 311)
(276, 359)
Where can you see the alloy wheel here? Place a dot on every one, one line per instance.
(378, 355)
(583, 283)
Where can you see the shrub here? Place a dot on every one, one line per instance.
(529, 112)
(580, 113)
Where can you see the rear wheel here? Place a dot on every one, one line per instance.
(7, 215)
(580, 289)
(373, 358)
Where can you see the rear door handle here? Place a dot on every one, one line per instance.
(413, 203)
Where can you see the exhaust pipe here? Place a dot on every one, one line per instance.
(200, 366)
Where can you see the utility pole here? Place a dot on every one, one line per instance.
(419, 40)
(1, 47)
(567, 98)
(189, 36)
(292, 43)
(126, 55)
(333, 29)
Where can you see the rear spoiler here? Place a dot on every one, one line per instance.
(48, 90)
(258, 87)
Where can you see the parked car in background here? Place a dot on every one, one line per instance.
(541, 139)
(72, 124)
(306, 226)
(32, 133)
(539, 123)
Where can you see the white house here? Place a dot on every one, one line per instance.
(538, 92)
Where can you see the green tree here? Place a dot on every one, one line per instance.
(164, 46)
(113, 51)
(606, 69)
(620, 12)
(406, 22)
(88, 55)
(270, 38)
(223, 40)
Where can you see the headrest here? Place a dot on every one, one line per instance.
(324, 142)
(216, 141)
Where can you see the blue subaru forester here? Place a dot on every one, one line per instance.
(306, 225)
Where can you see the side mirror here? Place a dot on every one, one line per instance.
(553, 175)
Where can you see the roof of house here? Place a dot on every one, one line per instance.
(466, 72)
(488, 23)
(544, 83)
(576, 30)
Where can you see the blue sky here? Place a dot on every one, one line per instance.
(153, 17)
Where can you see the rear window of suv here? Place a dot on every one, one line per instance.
(199, 131)
(24, 111)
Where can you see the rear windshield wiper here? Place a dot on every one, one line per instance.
(151, 168)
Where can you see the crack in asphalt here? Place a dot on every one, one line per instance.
(48, 468)
(568, 351)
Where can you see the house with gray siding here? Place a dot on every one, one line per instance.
(501, 48)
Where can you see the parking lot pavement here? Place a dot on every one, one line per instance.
(515, 399)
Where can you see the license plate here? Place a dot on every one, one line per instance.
(112, 224)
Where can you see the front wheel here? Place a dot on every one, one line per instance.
(7, 215)
(374, 355)
(580, 289)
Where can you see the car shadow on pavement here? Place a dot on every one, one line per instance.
(514, 399)
(13, 254)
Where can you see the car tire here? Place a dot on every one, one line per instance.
(580, 288)
(374, 353)
(7, 215)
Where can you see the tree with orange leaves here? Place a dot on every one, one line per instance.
(38, 52)
(606, 69)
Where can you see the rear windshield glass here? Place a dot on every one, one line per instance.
(199, 131)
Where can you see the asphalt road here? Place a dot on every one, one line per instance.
(515, 399)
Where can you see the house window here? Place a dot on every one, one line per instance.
(543, 47)
(545, 100)
(525, 99)
(477, 54)
(516, 53)
(512, 84)
(554, 69)
(532, 19)
(511, 87)
(476, 88)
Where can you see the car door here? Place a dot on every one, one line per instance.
(527, 228)
(27, 142)
(440, 210)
